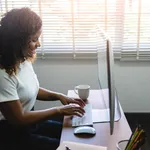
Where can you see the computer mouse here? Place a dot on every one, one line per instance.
(84, 130)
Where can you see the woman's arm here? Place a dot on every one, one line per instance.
(46, 95)
(13, 112)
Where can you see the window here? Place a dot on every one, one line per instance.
(136, 37)
(69, 26)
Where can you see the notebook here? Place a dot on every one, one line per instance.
(79, 146)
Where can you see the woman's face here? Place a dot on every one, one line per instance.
(34, 43)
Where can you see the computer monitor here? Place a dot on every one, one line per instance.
(112, 111)
(111, 84)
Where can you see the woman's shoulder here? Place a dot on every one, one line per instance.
(5, 78)
(2, 72)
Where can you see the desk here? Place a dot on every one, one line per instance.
(121, 128)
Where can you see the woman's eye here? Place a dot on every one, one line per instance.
(35, 40)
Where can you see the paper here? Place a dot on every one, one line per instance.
(100, 115)
(79, 146)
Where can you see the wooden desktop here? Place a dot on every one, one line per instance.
(122, 130)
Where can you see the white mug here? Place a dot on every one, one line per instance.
(82, 91)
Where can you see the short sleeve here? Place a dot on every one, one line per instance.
(8, 88)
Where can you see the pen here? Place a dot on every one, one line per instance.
(134, 140)
(131, 137)
(67, 148)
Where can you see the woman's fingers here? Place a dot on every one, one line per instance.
(72, 109)
(78, 114)
(79, 102)
(77, 108)
(81, 111)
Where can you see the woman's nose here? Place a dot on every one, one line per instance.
(38, 44)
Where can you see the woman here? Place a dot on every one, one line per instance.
(20, 126)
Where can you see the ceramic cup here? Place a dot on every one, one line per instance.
(82, 91)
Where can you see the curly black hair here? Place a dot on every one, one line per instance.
(16, 27)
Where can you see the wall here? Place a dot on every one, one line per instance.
(132, 80)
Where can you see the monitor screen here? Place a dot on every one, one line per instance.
(106, 78)
(105, 75)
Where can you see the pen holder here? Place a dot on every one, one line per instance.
(121, 145)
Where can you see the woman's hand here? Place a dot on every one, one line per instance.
(71, 109)
(65, 100)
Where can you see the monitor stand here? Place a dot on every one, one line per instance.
(102, 115)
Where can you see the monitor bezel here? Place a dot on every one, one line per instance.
(111, 84)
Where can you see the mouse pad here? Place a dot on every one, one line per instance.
(79, 146)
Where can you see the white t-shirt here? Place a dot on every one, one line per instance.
(23, 86)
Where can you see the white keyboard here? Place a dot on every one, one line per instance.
(86, 119)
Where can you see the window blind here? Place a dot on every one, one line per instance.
(136, 37)
(69, 26)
